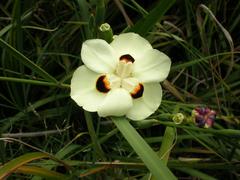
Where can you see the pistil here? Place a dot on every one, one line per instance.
(124, 69)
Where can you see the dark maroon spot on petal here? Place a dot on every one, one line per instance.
(127, 58)
(103, 84)
(138, 91)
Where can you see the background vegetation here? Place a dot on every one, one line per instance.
(40, 43)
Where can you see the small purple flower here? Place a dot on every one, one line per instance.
(204, 117)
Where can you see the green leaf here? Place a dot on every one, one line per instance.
(147, 23)
(96, 145)
(148, 156)
(27, 62)
(34, 82)
(196, 173)
(100, 12)
(18, 165)
(14, 164)
(7, 122)
(7, 28)
(167, 144)
(38, 171)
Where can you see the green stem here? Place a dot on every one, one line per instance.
(148, 156)
(196, 173)
(95, 141)
(34, 82)
(167, 143)
(27, 62)
(227, 132)
(166, 146)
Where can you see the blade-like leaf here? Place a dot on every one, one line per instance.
(167, 144)
(14, 164)
(34, 82)
(145, 24)
(38, 171)
(148, 156)
(96, 145)
(27, 62)
(196, 173)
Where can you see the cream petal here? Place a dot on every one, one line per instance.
(154, 66)
(99, 56)
(83, 89)
(147, 104)
(117, 103)
(130, 43)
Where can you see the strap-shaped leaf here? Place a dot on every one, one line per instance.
(39, 171)
(14, 164)
(146, 23)
(34, 82)
(27, 62)
(145, 152)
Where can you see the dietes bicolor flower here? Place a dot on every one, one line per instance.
(120, 78)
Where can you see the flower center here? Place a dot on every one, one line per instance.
(121, 79)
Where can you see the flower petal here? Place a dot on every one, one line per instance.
(83, 89)
(130, 43)
(147, 104)
(154, 66)
(117, 103)
(99, 56)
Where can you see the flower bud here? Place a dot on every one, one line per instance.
(203, 117)
(105, 32)
(178, 118)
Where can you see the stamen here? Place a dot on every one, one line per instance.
(102, 84)
(125, 66)
(137, 91)
(127, 58)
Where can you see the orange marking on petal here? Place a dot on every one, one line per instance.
(137, 91)
(102, 84)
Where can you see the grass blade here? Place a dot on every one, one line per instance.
(148, 156)
(196, 173)
(164, 152)
(100, 12)
(145, 24)
(34, 82)
(27, 62)
(38, 171)
(14, 164)
(96, 145)
(7, 122)
(167, 144)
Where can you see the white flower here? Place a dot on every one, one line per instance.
(120, 78)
